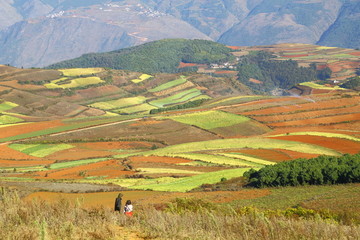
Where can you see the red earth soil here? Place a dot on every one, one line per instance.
(307, 115)
(255, 81)
(296, 56)
(145, 198)
(267, 154)
(331, 103)
(226, 72)
(319, 121)
(157, 159)
(233, 47)
(9, 153)
(27, 128)
(24, 163)
(182, 65)
(78, 154)
(337, 144)
(355, 53)
(110, 169)
(114, 145)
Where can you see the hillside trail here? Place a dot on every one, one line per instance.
(127, 234)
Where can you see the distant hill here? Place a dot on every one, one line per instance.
(36, 33)
(345, 32)
(158, 56)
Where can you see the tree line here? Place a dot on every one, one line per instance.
(316, 171)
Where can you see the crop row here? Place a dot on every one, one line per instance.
(210, 119)
(119, 103)
(177, 98)
(170, 84)
(142, 78)
(73, 83)
(40, 150)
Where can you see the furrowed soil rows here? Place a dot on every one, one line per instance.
(105, 169)
(28, 128)
(159, 159)
(338, 144)
(319, 121)
(313, 105)
(307, 114)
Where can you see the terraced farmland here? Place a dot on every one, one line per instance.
(178, 98)
(73, 83)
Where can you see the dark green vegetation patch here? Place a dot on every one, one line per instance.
(159, 56)
(316, 171)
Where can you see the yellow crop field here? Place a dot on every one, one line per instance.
(73, 72)
(318, 86)
(119, 103)
(73, 83)
(142, 78)
(321, 134)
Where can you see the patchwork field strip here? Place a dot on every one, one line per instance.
(177, 98)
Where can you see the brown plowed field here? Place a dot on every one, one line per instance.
(307, 115)
(9, 153)
(22, 163)
(27, 128)
(114, 145)
(110, 168)
(267, 154)
(158, 159)
(15, 84)
(78, 154)
(333, 103)
(144, 198)
(142, 123)
(338, 144)
(319, 121)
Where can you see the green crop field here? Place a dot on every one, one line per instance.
(188, 183)
(318, 86)
(240, 143)
(76, 163)
(119, 103)
(5, 119)
(177, 98)
(166, 170)
(321, 134)
(210, 119)
(73, 83)
(142, 78)
(135, 109)
(248, 158)
(4, 106)
(73, 72)
(215, 159)
(170, 84)
(40, 150)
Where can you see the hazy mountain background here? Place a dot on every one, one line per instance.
(37, 33)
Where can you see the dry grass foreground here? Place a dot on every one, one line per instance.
(62, 220)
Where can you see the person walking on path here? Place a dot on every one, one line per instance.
(128, 209)
(118, 202)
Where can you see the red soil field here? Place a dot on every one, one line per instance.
(182, 65)
(15, 84)
(267, 154)
(110, 168)
(355, 53)
(331, 103)
(27, 128)
(233, 47)
(226, 72)
(255, 81)
(78, 154)
(338, 144)
(320, 91)
(296, 56)
(114, 145)
(158, 159)
(319, 121)
(9, 153)
(307, 115)
(296, 155)
(22, 163)
(145, 198)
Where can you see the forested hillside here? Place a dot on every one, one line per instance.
(159, 56)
